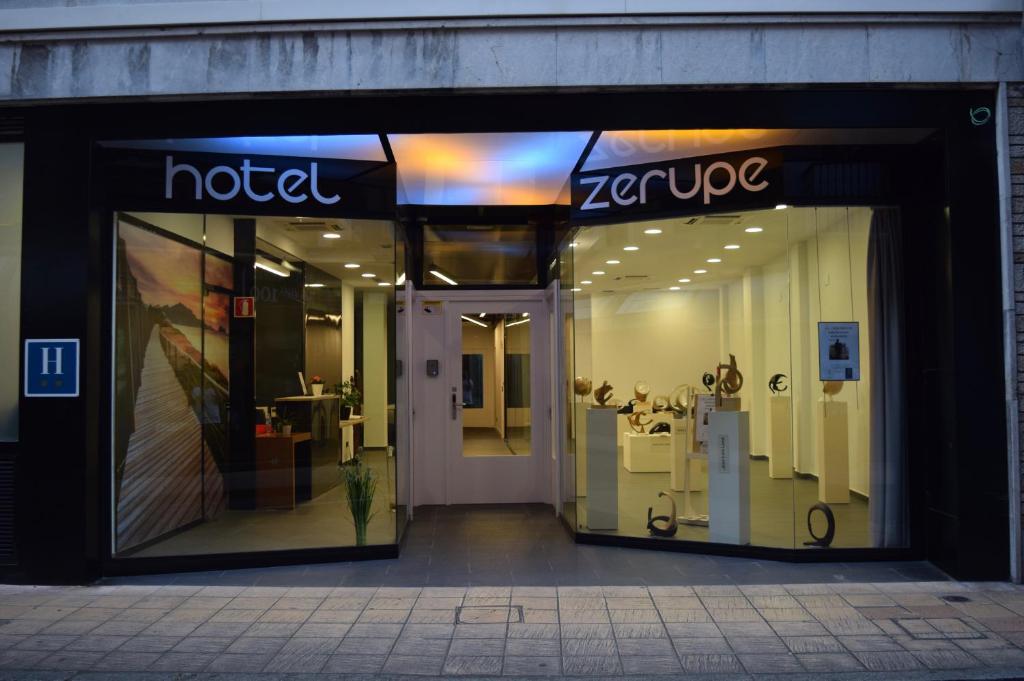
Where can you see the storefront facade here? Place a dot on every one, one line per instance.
(782, 299)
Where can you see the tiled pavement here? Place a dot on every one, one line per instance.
(893, 629)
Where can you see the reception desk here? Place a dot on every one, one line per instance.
(317, 415)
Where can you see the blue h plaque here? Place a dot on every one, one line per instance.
(51, 367)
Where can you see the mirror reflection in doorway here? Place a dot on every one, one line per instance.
(496, 384)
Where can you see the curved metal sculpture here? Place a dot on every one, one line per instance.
(708, 380)
(641, 389)
(732, 382)
(830, 531)
(775, 384)
(660, 403)
(660, 427)
(679, 400)
(603, 394)
(582, 386)
(636, 423)
(662, 525)
(627, 408)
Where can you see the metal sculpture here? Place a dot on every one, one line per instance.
(603, 394)
(830, 530)
(708, 380)
(660, 427)
(679, 400)
(731, 383)
(641, 390)
(582, 386)
(636, 423)
(775, 384)
(662, 525)
(660, 404)
(831, 388)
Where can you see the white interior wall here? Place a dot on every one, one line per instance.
(654, 336)
(11, 178)
(348, 331)
(375, 369)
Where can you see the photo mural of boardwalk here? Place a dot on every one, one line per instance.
(171, 401)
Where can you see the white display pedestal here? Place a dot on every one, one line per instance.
(682, 452)
(643, 453)
(581, 448)
(833, 456)
(729, 477)
(602, 470)
(780, 452)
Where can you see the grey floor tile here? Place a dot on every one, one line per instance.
(202, 644)
(21, 659)
(273, 629)
(238, 662)
(182, 662)
(294, 663)
(532, 665)
(458, 665)
(693, 630)
(477, 647)
(413, 664)
(572, 647)
(798, 629)
(257, 645)
(436, 647)
(428, 631)
(587, 630)
(758, 645)
(829, 662)
(150, 644)
(374, 631)
(97, 643)
(365, 646)
(354, 664)
(701, 646)
(946, 659)
(771, 664)
(710, 664)
(645, 646)
(653, 664)
(639, 630)
(813, 644)
(481, 630)
(867, 644)
(539, 631)
(528, 647)
(591, 664)
(71, 661)
(46, 642)
(310, 646)
(888, 661)
(124, 661)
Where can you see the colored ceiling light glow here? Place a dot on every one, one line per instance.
(611, 262)
(368, 275)
(487, 168)
(472, 321)
(754, 230)
(781, 206)
(714, 260)
(652, 231)
(631, 248)
(731, 247)
(700, 271)
(358, 147)
(684, 281)
(445, 279)
(351, 266)
(331, 235)
(598, 272)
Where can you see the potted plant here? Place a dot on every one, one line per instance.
(350, 398)
(317, 385)
(283, 425)
(361, 485)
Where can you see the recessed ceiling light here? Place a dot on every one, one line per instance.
(732, 247)
(368, 275)
(700, 271)
(684, 281)
(611, 262)
(383, 283)
(586, 281)
(753, 230)
(573, 245)
(331, 235)
(314, 285)
(781, 206)
(351, 266)
(631, 248)
(674, 288)
(714, 260)
(652, 231)
(597, 272)
(576, 290)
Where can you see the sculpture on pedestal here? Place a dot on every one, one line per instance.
(581, 386)
(831, 388)
(708, 380)
(641, 390)
(637, 423)
(775, 384)
(731, 382)
(603, 394)
(661, 525)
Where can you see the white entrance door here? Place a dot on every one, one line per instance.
(497, 374)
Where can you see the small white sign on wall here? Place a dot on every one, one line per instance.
(838, 351)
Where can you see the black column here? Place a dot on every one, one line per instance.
(241, 451)
(62, 292)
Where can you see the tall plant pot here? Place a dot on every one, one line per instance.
(346, 412)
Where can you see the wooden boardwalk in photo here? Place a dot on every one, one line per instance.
(161, 486)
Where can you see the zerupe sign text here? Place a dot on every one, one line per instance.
(679, 187)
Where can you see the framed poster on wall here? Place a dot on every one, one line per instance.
(838, 351)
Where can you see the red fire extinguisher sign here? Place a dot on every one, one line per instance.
(245, 307)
